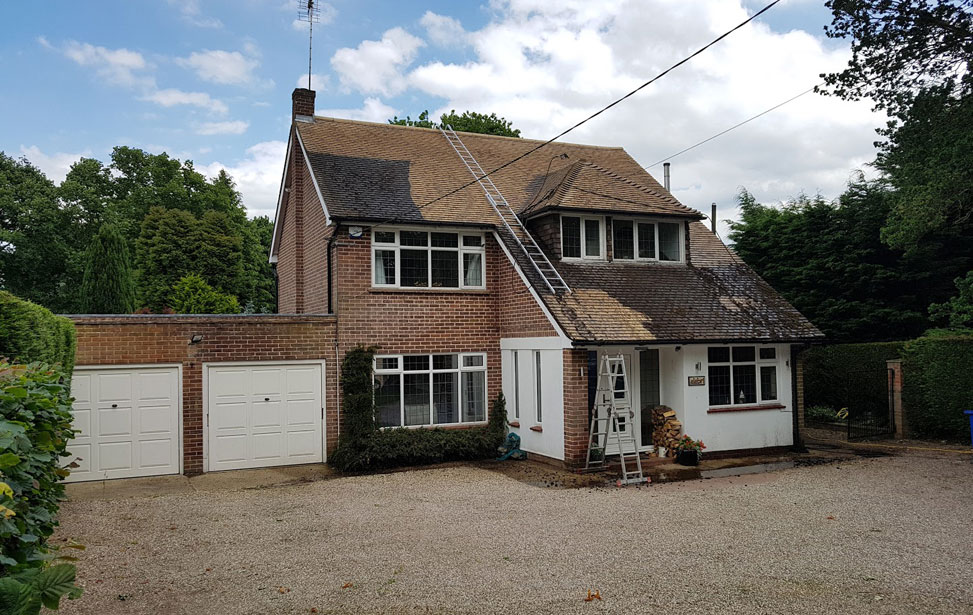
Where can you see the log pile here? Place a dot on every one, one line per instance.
(666, 429)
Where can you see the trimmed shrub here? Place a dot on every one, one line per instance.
(29, 332)
(35, 427)
(936, 384)
(848, 375)
(363, 446)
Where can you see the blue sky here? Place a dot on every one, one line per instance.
(210, 80)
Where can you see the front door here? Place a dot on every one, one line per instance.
(627, 420)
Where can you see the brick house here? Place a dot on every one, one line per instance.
(382, 237)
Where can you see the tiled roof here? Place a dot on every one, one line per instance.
(371, 172)
(715, 298)
(586, 185)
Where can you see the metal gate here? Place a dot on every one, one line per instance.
(871, 416)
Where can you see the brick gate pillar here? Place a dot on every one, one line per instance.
(895, 396)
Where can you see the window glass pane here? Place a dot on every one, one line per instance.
(416, 399)
(445, 398)
(387, 363)
(719, 385)
(388, 409)
(668, 241)
(473, 361)
(415, 271)
(623, 239)
(743, 353)
(384, 236)
(649, 390)
(445, 361)
(516, 385)
(744, 384)
(768, 382)
(414, 363)
(537, 384)
(385, 266)
(646, 240)
(570, 237)
(445, 240)
(592, 238)
(445, 269)
(472, 240)
(768, 353)
(719, 354)
(472, 269)
(413, 238)
(619, 382)
(474, 395)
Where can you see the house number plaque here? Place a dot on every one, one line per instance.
(697, 381)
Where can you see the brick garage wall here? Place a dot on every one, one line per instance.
(124, 340)
(575, 407)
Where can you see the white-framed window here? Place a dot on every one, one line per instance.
(416, 258)
(538, 387)
(740, 375)
(516, 384)
(430, 389)
(646, 240)
(582, 237)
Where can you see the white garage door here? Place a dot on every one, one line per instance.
(128, 420)
(264, 415)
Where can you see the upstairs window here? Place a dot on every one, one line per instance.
(582, 237)
(406, 258)
(740, 375)
(634, 240)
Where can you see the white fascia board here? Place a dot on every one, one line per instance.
(314, 180)
(533, 293)
(552, 342)
(280, 199)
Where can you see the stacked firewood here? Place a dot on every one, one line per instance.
(666, 429)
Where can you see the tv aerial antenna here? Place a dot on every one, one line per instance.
(309, 11)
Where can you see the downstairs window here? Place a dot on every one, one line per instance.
(430, 389)
(740, 375)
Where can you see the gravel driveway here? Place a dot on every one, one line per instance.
(884, 535)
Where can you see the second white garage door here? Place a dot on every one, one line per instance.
(264, 415)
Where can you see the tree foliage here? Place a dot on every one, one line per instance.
(192, 295)
(164, 253)
(108, 286)
(469, 121)
(958, 311)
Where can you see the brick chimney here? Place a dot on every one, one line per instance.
(302, 103)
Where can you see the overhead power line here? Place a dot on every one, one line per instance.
(610, 105)
(734, 127)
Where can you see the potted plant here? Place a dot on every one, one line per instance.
(688, 451)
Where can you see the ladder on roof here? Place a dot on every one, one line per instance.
(611, 419)
(555, 283)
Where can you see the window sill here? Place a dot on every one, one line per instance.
(429, 291)
(514, 424)
(536, 428)
(439, 426)
(746, 408)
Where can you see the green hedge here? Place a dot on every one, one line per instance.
(937, 385)
(848, 375)
(29, 332)
(362, 446)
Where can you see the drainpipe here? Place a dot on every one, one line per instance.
(665, 175)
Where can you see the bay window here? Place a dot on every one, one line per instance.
(430, 389)
(423, 259)
(740, 375)
(634, 240)
(582, 237)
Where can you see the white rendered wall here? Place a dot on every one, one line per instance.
(550, 440)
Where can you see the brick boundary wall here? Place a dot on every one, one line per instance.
(140, 340)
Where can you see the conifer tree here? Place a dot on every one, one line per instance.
(107, 286)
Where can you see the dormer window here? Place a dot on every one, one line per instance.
(643, 240)
(582, 237)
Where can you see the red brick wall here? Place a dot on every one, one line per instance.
(123, 340)
(575, 407)
(315, 262)
(518, 311)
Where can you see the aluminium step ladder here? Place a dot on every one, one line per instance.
(555, 283)
(611, 419)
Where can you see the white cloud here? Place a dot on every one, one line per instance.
(374, 67)
(223, 67)
(236, 127)
(257, 176)
(190, 12)
(55, 166)
(171, 97)
(115, 66)
(443, 31)
(374, 110)
(319, 82)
